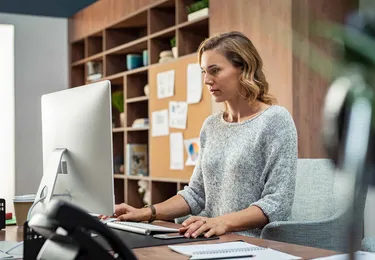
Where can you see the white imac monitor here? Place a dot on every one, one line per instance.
(77, 149)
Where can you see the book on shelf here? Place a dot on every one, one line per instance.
(94, 77)
(136, 159)
(140, 123)
(231, 250)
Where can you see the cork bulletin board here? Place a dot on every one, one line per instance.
(159, 147)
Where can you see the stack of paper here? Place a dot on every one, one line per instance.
(231, 250)
(11, 250)
(4, 256)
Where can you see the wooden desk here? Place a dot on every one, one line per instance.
(13, 233)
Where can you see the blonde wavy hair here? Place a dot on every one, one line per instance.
(240, 51)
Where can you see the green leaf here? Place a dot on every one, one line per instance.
(197, 6)
(173, 42)
(118, 101)
(359, 42)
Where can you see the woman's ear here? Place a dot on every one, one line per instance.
(240, 71)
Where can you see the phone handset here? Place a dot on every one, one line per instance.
(68, 228)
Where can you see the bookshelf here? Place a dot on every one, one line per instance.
(150, 28)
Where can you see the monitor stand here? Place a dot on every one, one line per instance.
(47, 184)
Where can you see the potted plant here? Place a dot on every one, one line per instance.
(118, 104)
(197, 10)
(174, 47)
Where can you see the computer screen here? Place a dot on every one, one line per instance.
(77, 149)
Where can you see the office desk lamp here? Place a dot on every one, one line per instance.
(349, 110)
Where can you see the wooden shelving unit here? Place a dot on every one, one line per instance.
(94, 44)
(136, 99)
(151, 29)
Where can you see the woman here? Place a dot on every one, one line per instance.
(245, 174)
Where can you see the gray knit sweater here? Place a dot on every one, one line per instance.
(243, 164)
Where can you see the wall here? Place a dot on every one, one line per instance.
(7, 148)
(310, 86)
(41, 66)
(265, 22)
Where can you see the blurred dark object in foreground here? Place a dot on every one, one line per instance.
(350, 101)
(348, 120)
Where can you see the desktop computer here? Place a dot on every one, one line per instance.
(77, 149)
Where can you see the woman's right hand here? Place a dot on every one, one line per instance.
(125, 212)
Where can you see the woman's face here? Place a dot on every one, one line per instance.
(220, 76)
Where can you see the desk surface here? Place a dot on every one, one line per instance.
(13, 233)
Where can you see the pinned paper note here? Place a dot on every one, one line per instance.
(160, 123)
(178, 114)
(192, 147)
(176, 144)
(194, 83)
(165, 84)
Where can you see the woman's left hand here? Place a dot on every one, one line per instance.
(194, 226)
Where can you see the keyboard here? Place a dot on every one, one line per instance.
(105, 221)
(139, 227)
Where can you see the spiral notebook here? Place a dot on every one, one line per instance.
(230, 250)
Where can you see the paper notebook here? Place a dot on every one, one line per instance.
(231, 249)
(11, 250)
(5, 256)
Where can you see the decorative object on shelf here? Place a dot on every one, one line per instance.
(174, 47)
(145, 57)
(122, 119)
(118, 160)
(146, 90)
(144, 191)
(140, 123)
(94, 70)
(137, 159)
(165, 56)
(197, 10)
(133, 61)
(118, 104)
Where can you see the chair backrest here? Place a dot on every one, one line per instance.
(324, 193)
(368, 244)
(314, 194)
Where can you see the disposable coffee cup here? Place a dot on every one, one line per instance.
(22, 205)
